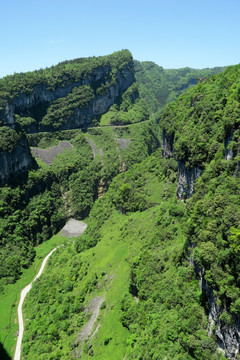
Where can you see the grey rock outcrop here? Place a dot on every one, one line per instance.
(16, 162)
(186, 179)
(227, 336)
(228, 152)
(24, 104)
(186, 176)
(167, 145)
(82, 117)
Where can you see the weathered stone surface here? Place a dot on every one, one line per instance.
(167, 145)
(228, 152)
(186, 176)
(16, 162)
(227, 336)
(25, 103)
(186, 179)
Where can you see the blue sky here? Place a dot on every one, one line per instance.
(173, 33)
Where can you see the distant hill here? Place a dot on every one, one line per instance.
(159, 86)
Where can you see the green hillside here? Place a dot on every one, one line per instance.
(37, 207)
(156, 273)
(159, 86)
(156, 250)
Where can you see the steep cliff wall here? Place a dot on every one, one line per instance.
(167, 145)
(227, 335)
(186, 179)
(82, 116)
(187, 176)
(15, 162)
(37, 102)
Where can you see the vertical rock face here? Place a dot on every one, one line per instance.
(7, 113)
(186, 176)
(167, 145)
(186, 179)
(228, 152)
(16, 162)
(227, 334)
(25, 104)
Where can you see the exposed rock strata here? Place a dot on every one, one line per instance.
(227, 335)
(228, 152)
(167, 145)
(16, 162)
(186, 179)
(25, 104)
(186, 176)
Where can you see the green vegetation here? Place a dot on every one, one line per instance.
(35, 209)
(205, 126)
(64, 74)
(204, 118)
(8, 139)
(136, 260)
(9, 300)
(61, 110)
(213, 227)
(138, 264)
(160, 86)
(38, 203)
(63, 95)
(129, 109)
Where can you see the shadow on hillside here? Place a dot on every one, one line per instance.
(3, 354)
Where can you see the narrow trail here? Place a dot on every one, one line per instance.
(72, 228)
(17, 355)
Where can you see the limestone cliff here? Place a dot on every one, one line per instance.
(187, 176)
(227, 335)
(186, 179)
(167, 144)
(15, 162)
(36, 103)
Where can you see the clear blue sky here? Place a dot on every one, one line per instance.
(173, 33)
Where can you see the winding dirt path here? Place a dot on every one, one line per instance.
(17, 355)
(72, 228)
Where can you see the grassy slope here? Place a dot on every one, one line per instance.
(110, 260)
(104, 138)
(143, 249)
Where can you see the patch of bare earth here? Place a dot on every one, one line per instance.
(93, 307)
(93, 146)
(67, 203)
(48, 155)
(123, 143)
(73, 228)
